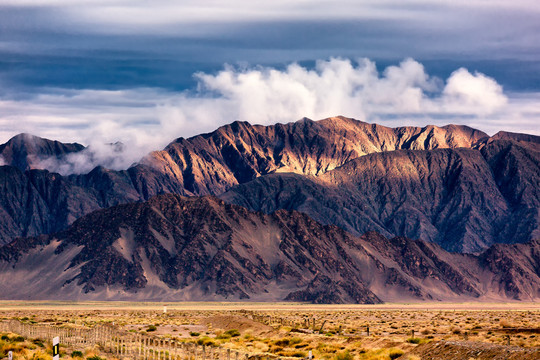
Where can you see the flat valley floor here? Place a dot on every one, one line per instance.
(294, 330)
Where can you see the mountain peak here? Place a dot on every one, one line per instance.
(506, 135)
(25, 151)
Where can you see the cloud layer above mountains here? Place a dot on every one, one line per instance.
(102, 71)
(146, 119)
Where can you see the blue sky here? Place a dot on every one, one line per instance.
(145, 72)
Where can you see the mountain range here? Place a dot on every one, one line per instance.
(363, 177)
(201, 248)
(306, 189)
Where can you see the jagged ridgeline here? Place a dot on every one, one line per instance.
(451, 185)
(319, 211)
(201, 248)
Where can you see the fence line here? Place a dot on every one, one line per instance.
(123, 344)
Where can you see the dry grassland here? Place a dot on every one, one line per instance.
(333, 332)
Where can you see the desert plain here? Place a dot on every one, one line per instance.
(292, 330)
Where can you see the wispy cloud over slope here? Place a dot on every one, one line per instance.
(147, 119)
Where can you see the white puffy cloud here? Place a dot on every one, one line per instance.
(464, 90)
(148, 119)
(339, 86)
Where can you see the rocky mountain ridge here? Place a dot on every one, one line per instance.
(26, 151)
(37, 201)
(236, 153)
(178, 248)
(462, 199)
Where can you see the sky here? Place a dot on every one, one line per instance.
(146, 72)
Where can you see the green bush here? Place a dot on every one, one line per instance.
(193, 333)
(77, 353)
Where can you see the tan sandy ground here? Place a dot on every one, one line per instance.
(6, 305)
(467, 326)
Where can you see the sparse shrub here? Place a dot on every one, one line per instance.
(38, 342)
(299, 354)
(228, 334)
(282, 342)
(295, 340)
(206, 341)
(275, 349)
(194, 333)
(344, 355)
(395, 353)
(233, 333)
(77, 353)
(505, 323)
(151, 328)
(222, 336)
(414, 340)
(95, 357)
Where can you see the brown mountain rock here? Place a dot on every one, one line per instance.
(240, 152)
(462, 199)
(456, 198)
(26, 151)
(178, 248)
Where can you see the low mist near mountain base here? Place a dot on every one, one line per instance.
(146, 119)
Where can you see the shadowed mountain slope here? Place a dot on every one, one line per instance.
(39, 202)
(463, 199)
(239, 153)
(177, 248)
(26, 151)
